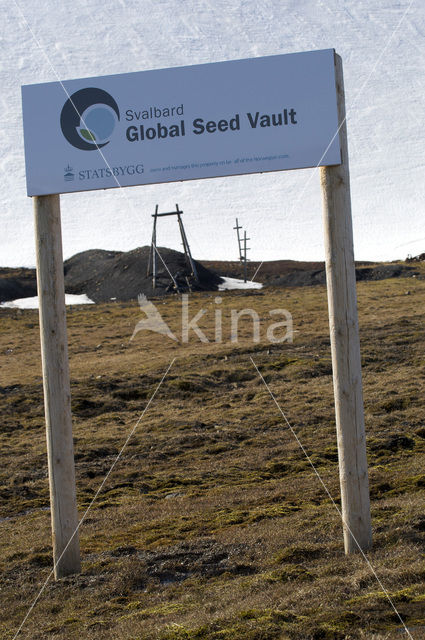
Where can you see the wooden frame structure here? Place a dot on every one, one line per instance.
(153, 251)
(345, 346)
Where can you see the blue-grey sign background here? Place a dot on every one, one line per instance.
(297, 89)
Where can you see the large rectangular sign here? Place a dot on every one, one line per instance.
(203, 121)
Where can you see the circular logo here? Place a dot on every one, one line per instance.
(88, 118)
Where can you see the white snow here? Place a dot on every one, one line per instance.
(234, 283)
(382, 47)
(32, 303)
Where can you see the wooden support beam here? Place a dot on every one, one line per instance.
(345, 343)
(56, 383)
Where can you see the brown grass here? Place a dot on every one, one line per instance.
(213, 525)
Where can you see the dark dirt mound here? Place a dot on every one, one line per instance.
(87, 264)
(298, 278)
(384, 271)
(303, 278)
(17, 283)
(106, 275)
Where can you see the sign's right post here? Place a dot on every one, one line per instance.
(345, 342)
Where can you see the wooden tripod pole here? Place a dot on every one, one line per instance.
(57, 394)
(345, 343)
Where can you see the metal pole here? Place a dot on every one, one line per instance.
(56, 383)
(154, 254)
(186, 247)
(345, 343)
(153, 242)
(244, 253)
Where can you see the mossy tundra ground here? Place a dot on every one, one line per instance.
(212, 524)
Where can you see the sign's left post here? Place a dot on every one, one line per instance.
(56, 384)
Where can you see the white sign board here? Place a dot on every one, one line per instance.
(184, 123)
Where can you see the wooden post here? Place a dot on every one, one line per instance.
(345, 343)
(57, 394)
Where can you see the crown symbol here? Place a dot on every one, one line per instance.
(68, 175)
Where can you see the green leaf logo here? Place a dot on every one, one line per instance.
(88, 135)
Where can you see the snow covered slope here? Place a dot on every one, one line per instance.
(32, 303)
(382, 46)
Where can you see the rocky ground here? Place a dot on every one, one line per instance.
(213, 525)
